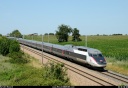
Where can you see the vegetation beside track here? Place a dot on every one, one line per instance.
(117, 66)
(11, 48)
(19, 69)
(30, 74)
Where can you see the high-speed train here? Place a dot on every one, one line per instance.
(89, 56)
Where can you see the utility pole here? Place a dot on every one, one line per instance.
(32, 37)
(42, 50)
(48, 38)
(86, 40)
(15, 36)
(23, 45)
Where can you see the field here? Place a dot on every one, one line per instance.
(114, 48)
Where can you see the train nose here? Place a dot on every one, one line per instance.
(102, 61)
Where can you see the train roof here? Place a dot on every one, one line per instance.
(38, 42)
(50, 44)
(45, 43)
(69, 47)
(89, 50)
(59, 46)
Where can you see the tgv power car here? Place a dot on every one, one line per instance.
(89, 56)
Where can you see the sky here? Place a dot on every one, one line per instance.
(91, 17)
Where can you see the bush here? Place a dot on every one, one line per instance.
(0, 35)
(24, 75)
(17, 57)
(4, 46)
(8, 46)
(14, 46)
(12, 49)
(55, 71)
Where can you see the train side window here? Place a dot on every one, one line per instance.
(100, 55)
(90, 54)
(95, 55)
(85, 57)
(67, 52)
(85, 50)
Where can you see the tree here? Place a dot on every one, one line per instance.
(4, 46)
(76, 35)
(0, 34)
(8, 46)
(51, 33)
(63, 33)
(16, 33)
(14, 46)
(46, 34)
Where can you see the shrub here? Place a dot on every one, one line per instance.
(8, 46)
(14, 46)
(55, 71)
(0, 34)
(17, 57)
(4, 46)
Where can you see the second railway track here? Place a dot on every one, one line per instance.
(95, 78)
(117, 76)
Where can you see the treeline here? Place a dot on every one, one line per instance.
(63, 32)
(117, 34)
(49, 34)
(108, 35)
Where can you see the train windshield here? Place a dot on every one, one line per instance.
(98, 57)
(95, 55)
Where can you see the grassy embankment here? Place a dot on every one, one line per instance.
(114, 48)
(22, 70)
(29, 74)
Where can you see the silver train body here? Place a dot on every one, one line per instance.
(89, 56)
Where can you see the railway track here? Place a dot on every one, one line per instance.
(99, 80)
(119, 77)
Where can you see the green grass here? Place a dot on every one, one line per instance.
(118, 66)
(25, 75)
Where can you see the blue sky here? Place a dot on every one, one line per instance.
(44, 16)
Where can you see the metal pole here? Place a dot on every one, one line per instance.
(32, 37)
(15, 36)
(86, 40)
(42, 50)
(23, 45)
(48, 38)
